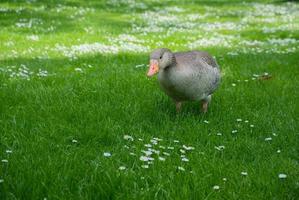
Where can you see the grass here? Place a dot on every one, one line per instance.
(59, 124)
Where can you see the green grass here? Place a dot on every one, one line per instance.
(111, 97)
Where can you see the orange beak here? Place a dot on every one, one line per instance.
(154, 68)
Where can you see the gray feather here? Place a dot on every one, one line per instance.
(192, 75)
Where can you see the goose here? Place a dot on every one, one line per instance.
(185, 76)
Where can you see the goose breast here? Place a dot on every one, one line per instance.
(195, 76)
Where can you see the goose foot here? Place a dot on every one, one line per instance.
(178, 106)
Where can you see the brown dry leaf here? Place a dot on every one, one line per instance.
(265, 77)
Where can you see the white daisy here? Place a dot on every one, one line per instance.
(144, 158)
(166, 154)
(216, 187)
(185, 159)
(244, 173)
(154, 142)
(161, 159)
(8, 151)
(33, 37)
(151, 159)
(282, 176)
(220, 148)
(157, 139)
(128, 137)
(147, 153)
(156, 151)
(145, 166)
(268, 139)
(107, 154)
(122, 168)
(181, 168)
(188, 148)
(78, 69)
(182, 151)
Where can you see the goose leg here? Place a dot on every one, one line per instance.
(205, 103)
(204, 106)
(178, 106)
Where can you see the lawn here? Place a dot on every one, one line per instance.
(79, 119)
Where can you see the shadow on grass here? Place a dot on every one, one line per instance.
(32, 18)
(117, 74)
(113, 95)
(116, 92)
(35, 21)
(112, 89)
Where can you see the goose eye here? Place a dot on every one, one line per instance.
(160, 57)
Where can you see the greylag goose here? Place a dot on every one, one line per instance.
(185, 76)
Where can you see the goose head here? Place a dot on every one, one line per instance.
(160, 59)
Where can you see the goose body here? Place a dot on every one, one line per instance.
(187, 76)
(192, 78)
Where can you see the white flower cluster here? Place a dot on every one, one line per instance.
(22, 72)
